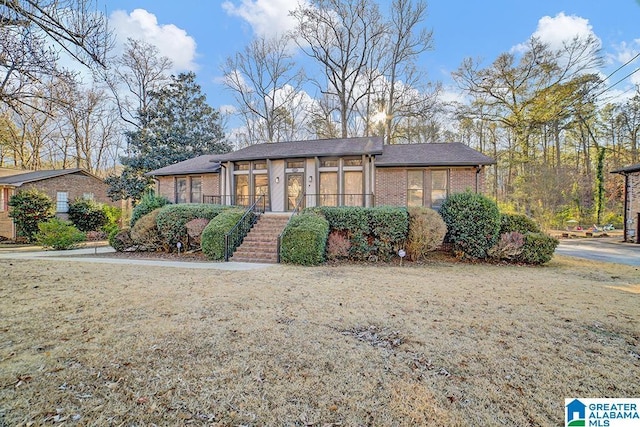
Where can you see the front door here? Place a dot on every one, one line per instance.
(295, 183)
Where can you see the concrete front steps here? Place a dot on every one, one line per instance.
(261, 244)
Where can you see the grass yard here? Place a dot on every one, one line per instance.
(445, 344)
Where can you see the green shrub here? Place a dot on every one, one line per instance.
(87, 215)
(212, 239)
(114, 215)
(145, 232)
(172, 220)
(59, 235)
(426, 232)
(538, 248)
(377, 231)
(473, 223)
(304, 240)
(519, 223)
(149, 202)
(121, 240)
(28, 209)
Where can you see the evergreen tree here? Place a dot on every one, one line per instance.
(177, 125)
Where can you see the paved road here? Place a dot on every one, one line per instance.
(601, 249)
(72, 255)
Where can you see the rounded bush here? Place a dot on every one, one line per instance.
(212, 239)
(145, 232)
(148, 203)
(304, 240)
(426, 232)
(538, 248)
(473, 223)
(517, 223)
(59, 235)
(87, 215)
(172, 220)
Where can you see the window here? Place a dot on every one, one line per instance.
(242, 166)
(196, 190)
(353, 188)
(439, 187)
(415, 187)
(87, 196)
(353, 162)
(242, 190)
(62, 202)
(328, 189)
(328, 163)
(3, 199)
(295, 164)
(181, 190)
(261, 188)
(259, 166)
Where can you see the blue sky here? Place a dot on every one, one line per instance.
(199, 35)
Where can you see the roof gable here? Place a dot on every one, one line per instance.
(202, 164)
(25, 178)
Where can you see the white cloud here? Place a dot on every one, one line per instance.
(267, 17)
(171, 41)
(559, 30)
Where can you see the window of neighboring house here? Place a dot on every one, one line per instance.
(439, 187)
(415, 188)
(87, 196)
(62, 202)
(3, 199)
(181, 190)
(196, 190)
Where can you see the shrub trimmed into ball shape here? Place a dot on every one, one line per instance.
(473, 223)
(426, 232)
(304, 240)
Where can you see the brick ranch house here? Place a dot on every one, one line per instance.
(331, 172)
(631, 202)
(61, 185)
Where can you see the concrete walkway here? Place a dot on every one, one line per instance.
(84, 255)
(606, 249)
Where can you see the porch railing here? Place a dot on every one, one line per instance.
(296, 211)
(233, 200)
(235, 236)
(340, 199)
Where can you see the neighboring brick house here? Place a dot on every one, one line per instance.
(331, 172)
(631, 202)
(62, 186)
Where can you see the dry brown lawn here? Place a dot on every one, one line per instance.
(446, 344)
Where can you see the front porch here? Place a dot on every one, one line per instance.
(294, 201)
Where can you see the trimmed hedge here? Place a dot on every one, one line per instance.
(473, 223)
(145, 232)
(519, 223)
(304, 240)
(212, 239)
(172, 220)
(149, 202)
(371, 231)
(538, 248)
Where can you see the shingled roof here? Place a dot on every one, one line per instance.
(628, 169)
(25, 178)
(440, 154)
(314, 148)
(201, 164)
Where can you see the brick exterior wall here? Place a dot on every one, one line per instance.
(633, 207)
(76, 185)
(391, 183)
(165, 186)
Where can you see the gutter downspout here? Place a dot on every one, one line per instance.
(478, 169)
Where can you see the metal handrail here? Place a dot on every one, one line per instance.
(296, 210)
(234, 237)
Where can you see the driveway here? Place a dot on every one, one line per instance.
(601, 249)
